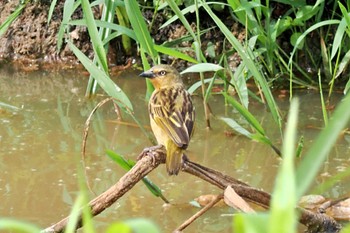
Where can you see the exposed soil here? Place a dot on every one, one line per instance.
(30, 42)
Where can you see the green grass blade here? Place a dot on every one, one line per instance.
(174, 53)
(100, 52)
(283, 214)
(250, 223)
(345, 13)
(323, 105)
(198, 84)
(202, 67)
(183, 12)
(331, 182)
(237, 127)
(127, 165)
(99, 23)
(182, 18)
(246, 114)
(9, 107)
(52, 8)
(249, 61)
(239, 83)
(319, 150)
(141, 225)
(343, 64)
(68, 9)
(310, 29)
(300, 147)
(338, 37)
(120, 160)
(187, 10)
(346, 228)
(102, 78)
(347, 87)
(6, 24)
(12, 225)
(74, 214)
(141, 30)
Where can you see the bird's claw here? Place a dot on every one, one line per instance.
(150, 151)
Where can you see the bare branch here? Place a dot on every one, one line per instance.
(316, 222)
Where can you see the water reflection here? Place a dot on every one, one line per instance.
(41, 141)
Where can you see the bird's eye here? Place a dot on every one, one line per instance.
(162, 72)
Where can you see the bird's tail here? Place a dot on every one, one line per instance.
(173, 158)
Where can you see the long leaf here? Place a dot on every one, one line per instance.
(246, 114)
(102, 78)
(187, 10)
(174, 53)
(338, 37)
(202, 67)
(99, 23)
(6, 24)
(100, 52)
(182, 18)
(127, 165)
(319, 150)
(68, 9)
(283, 213)
(197, 84)
(141, 30)
(313, 27)
(248, 60)
(237, 127)
(12, 225)
(343, 64)
(52, 8)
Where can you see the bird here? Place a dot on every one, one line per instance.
(172, 114)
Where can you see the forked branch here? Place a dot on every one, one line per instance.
(314, 221)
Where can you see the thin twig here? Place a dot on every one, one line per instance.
(199, 213)
(85, 136)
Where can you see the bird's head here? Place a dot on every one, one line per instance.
(163, 76)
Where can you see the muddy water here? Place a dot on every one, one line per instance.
(40, 141)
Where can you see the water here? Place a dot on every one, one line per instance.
(40, 152)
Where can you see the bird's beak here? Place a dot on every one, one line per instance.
(147, 74)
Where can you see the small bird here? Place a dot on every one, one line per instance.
(171, 113)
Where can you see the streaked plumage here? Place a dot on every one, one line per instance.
(171, 113)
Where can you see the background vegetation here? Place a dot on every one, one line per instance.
(289, 44)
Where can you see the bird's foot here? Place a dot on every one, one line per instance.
(150, 151)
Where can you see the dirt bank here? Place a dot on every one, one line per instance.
(30, 42)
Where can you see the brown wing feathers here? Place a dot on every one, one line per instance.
(174, 117)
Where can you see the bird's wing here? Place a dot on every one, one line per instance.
(175, 117)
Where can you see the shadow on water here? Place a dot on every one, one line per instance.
(41, 134)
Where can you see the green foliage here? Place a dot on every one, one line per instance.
(103, 79)
(252, 66)
(13, 225)
(282, 215)
(138, 225)
(140, 28)
(260, 134)
(319, 150)
(127, 165)
(264, 62)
